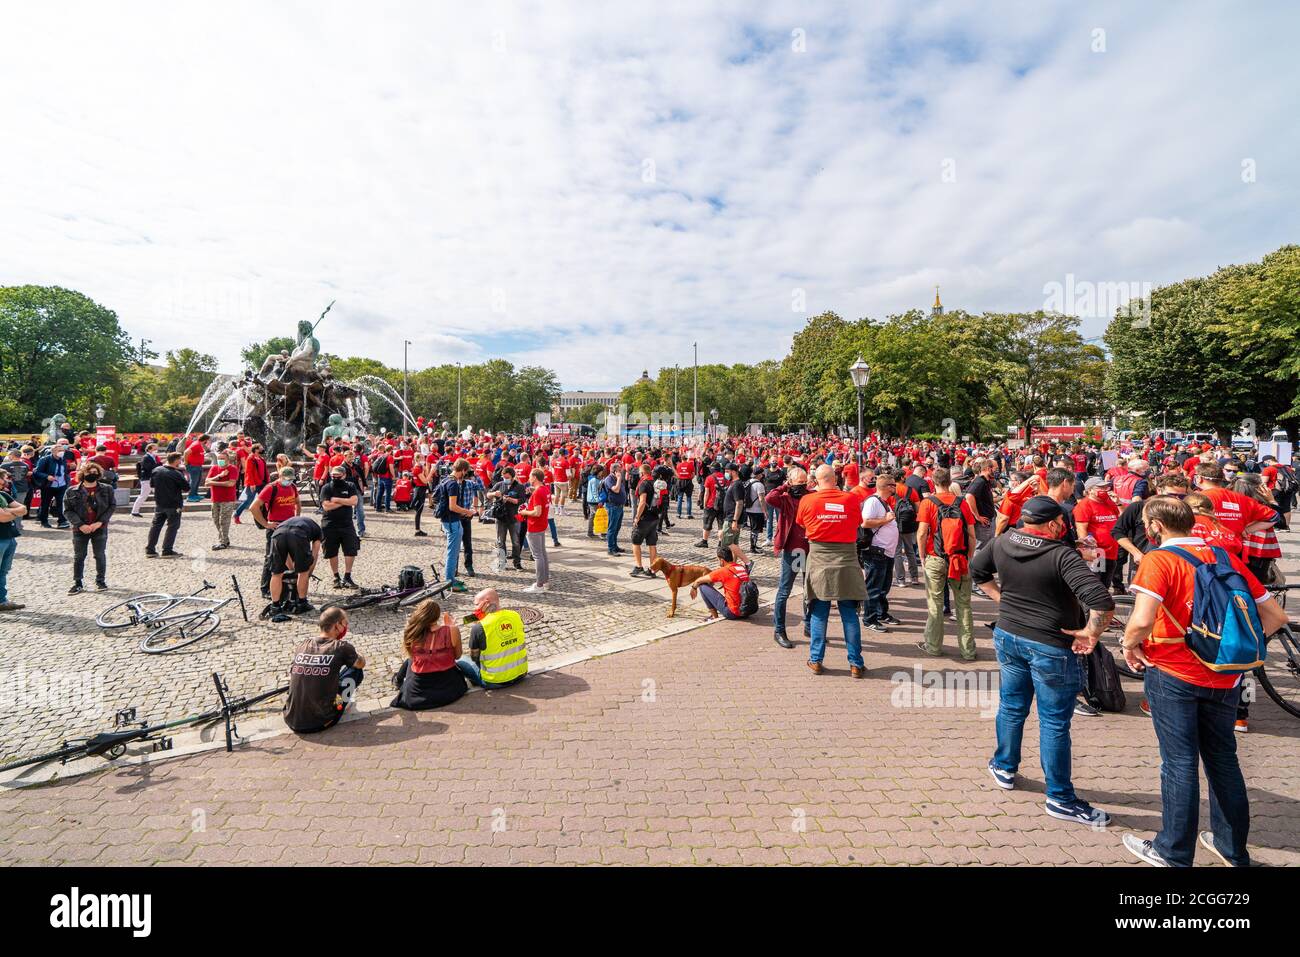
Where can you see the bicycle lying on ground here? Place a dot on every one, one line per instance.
(393, 596)
(1279, 675)
(170, 621)
(111, 745)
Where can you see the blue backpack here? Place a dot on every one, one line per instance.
(1225, 633)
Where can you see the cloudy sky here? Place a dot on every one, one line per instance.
(595, 186)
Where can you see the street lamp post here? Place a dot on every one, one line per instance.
(406, 345)
(695, 394)
(458, 398)
(713, 414)
(99, 414)
(860, 373)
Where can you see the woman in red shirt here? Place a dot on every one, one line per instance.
(429, 677)
(536, 515)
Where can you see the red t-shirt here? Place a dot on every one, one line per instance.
(223, 493)
(1171, 579)
(195, 454)
(1100, 518)
(1235, 511)
(281, 501)
(1216, 533)
(731, 577)
(255, 470)
(829, 516)
(540, 496)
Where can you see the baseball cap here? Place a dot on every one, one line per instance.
(1096, 482)
(1040, 509)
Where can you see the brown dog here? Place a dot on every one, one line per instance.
(678, 576)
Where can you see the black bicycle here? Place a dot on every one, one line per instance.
(392, 596)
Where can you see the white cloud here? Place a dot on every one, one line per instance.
(472, 179)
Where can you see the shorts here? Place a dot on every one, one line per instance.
(755, 521)
(336, 538)
(646, 532)
(728, 537)
(284, 547)
(712, 516)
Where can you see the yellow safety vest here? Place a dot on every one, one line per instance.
(506, 656)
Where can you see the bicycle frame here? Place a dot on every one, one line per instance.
(160, 617)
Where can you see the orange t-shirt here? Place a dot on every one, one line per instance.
(928, 515)
(1172, 579)
(829, 516)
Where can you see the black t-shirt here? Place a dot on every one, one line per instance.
(646, 487)
(299, 526)
(314, 681)
(982, 492)
(337, 517)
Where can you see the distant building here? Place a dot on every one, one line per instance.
(937, 308)
(573, 401)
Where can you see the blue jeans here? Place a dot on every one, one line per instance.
(615, 525)
(1052, 673)
(250, 493)
(1194, 722)
(470, 670)
(687, 497)
(7, 548)
(384, 494)
(196, 480)
(555, 535)
(361, 513)
(819, 613)
(717, 601)
(453, 530)
(880, 575)
(783, 589)
(771, 513)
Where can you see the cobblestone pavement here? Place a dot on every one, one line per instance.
(714, 746)
(55, 642)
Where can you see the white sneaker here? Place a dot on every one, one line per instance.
(534, 588)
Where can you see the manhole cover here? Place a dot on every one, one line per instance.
(530, 615)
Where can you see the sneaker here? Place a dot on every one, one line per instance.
(1006, 780)
(149, 554)
(926, 649)
(420, 533)
(1241, 726)
(303, 607)
(875, 627)
(890, 620)
(702, 543)
(76, 589)
(535, 588)
(236, 520)
(172, 554)
(639, 572)
(220, 545)
(1082, 707)
(63, 525)
(901, 583)
(101, 585)
(950, 616)
(459, 586)
(338, 582)
(348, 582)
(1144, 851)
(1077, 810)
(1145, 707)
(1207, 841)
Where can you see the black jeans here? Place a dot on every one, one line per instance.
(98, 542)
(879, 570)
(171, 517)
(52, 500)
(417, 503)
(509, 527)
(467, 543)
(266, 562)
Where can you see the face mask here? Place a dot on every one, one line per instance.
(343, 634)
(285, 483)
(221, 463)
(1152, 536)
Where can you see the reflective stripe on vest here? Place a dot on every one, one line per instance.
(506, 656)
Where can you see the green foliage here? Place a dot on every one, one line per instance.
(589, 414)
(59, 352)
(255, 353)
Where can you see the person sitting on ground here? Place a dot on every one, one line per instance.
(498, 650)
(730, 575)
(430, 676)
(323, 677)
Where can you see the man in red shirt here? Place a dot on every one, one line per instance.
(1237, 513)
(730, 575)
(952, 568)
(1095, 517)
(195, 455)
(221, 485)
(830, 518)
(1192, 706)
(276, 502)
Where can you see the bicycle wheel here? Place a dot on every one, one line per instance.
(1280, 673)
(437, 590)
(180, 632)
(126, 613)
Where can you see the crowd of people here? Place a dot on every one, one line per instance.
(1051, 533)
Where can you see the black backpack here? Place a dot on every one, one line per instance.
(1101, 685)
(748, 598)
(1286, 481)
(442, 503)
(410, 578)
(905, 513)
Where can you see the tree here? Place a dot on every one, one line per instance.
(188, 372)
(589, 414)
(255, 353)
(799, 397)
(59, 352)
(1039, 361)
